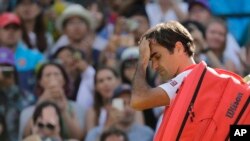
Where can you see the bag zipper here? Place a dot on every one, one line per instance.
(191, 103)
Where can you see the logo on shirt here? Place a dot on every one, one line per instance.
(173, 83)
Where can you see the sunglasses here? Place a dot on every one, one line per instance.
(7, 71)
(48, 126)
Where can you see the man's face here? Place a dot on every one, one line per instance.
(10, 35)
(76, 29)
(164, 62)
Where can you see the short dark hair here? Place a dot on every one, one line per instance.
(113, 131)
(167, 34)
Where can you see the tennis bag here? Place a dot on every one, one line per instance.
(207, 103)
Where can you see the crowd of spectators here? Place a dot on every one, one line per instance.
(63, 63)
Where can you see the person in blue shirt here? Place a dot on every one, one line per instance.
(12, 99)
(26, 59)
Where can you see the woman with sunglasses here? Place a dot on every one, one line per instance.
(53, 85)
(47, 121)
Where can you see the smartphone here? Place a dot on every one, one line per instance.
(118, 103)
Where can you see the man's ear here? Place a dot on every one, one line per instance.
(179, 48)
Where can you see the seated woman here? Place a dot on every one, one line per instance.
(53, 85)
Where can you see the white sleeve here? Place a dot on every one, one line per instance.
(85, 95)
(173, 85)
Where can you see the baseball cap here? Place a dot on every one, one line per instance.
(75, 10)
(203, 3)
(122, 89)
(6, 56)
(130, 53)
(9, 18)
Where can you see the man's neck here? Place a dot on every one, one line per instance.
(186, 64)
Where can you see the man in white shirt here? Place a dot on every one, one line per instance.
(170, 47)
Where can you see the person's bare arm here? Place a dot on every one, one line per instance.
(73, 126)
(90, 119)
(143, 96)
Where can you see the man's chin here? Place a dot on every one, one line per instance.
(164, 78)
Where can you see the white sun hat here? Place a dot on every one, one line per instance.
(75, 10)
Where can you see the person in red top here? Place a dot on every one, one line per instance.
(170, 48)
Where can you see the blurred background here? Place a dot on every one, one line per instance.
(63, 62)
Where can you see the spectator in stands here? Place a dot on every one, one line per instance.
(12, 98)
(244, 58)
(76, 24)
(216, 41)
(103, 30)
(200, 11)
(33, 28)
(127, 32)
(106, 80)
(81, 74)
(53, 85)
(114, 134)
(166, 10)
(26, 60)
(129, 58)
(202, 51)
(52, 9)
(123, 119)
(3, 6)
(3, 129)
(47, 121)
(138, 21)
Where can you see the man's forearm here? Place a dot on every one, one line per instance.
(140, 86)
